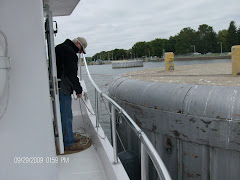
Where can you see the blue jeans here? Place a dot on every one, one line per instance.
(66, 118)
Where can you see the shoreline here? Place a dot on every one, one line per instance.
(175, 59)
(192, 58)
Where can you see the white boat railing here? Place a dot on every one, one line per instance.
(146, 146)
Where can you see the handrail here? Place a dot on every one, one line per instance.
(157, 161)
(6, 43)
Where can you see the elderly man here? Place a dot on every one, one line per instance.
(67, 60)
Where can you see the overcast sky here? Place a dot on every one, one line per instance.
(111, 24)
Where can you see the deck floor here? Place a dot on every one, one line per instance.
(83, 165)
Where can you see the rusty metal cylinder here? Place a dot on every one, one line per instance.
(235, 60)
(194, 126)
(169, 61)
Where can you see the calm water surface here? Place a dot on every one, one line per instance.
(104, 74)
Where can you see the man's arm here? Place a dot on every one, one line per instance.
(70, 69)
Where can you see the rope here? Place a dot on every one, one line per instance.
(120, 141)
(5, 105)
(84, 129)
(6, 43)
(87, 107)
(99, 74)
(90, 113)
(102, 100)
(107, 108)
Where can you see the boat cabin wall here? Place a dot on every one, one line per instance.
(26, 129)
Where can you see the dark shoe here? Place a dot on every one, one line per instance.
(74, 147)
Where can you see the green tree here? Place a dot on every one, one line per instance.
(222, 38)
(172, 43)
(119, 54)
(238, 34)
(185, 41)
(139, 48)
(148, 50)
(157, 46)
(232, 37)
(103, 55)
(95, 57)
(129, 54)
(207, 39)
(89, 59)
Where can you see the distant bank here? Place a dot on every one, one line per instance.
(192, 58)
(175, 58)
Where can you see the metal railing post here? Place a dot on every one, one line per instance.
(96, 108)
(114, 134)
(144, 163)
(80, 66)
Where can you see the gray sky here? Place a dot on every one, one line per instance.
(111, 24)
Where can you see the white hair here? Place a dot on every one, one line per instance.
(75, 40)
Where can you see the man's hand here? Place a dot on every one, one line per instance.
(79, 95)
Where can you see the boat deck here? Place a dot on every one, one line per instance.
(84, 164)
(81, 165)
(96, 162)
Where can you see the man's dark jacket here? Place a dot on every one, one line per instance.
(67, 67)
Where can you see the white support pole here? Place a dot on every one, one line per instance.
(56, 107)
(144, 163)
(96, 108)
(80, 66)
(114, 134)
(221, 47)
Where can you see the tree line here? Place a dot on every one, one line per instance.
(203, 41)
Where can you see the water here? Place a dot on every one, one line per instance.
(104, 74)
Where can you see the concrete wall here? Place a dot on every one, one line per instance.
(126, 64)
(195, 128)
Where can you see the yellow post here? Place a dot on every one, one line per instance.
(169, 61)
(235, 60)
